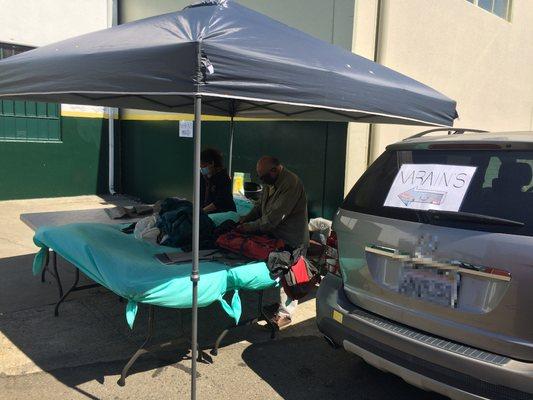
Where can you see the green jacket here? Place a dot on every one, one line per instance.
(282, 211)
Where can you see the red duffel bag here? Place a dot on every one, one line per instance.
(256, 247)
(300, 278)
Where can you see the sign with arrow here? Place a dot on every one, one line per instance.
(430, 186)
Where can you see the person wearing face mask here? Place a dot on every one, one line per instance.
(282, 213)
(215, 186)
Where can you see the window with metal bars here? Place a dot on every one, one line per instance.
(501, 8)
(27, 120)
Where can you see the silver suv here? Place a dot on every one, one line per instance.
(431, 265)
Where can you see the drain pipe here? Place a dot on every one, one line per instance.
(378, 39)
(112, 18)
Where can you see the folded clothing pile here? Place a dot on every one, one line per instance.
(175, 224)
(171, 224)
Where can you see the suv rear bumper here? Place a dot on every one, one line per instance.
(423, 360)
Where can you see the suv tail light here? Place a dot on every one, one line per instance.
(332, 254)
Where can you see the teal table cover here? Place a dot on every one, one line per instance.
(127, 267)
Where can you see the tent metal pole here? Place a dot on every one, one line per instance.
(231, 135)
(195, 273)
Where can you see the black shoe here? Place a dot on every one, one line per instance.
(281, 321)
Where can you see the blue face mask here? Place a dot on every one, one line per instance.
(204, 171)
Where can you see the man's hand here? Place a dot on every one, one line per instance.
(244, 228)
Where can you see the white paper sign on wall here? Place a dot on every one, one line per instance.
(430, 186)
(186, 129)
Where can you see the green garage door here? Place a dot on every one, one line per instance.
(157, 163)
(27, 120)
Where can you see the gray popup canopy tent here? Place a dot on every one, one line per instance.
(220, 58)
(251, 66)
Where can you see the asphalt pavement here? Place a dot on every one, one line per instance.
(80, 354)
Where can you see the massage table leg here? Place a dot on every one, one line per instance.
(73, 288)
(76, 280)
(260, 317)
(54, 273)
(142, 350)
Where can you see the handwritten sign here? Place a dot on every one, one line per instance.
(430, 186)
(186, 129)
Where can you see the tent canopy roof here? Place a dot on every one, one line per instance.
(241, 62)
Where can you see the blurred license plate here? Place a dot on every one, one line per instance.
(430, 284)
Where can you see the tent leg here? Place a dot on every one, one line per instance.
(195, 273)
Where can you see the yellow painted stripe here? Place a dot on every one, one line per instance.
(80, 114)
(181, 117)
(129, 116)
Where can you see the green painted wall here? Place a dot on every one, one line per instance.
(77, 165)
(156, 163)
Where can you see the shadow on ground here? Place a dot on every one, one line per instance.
(305, 367)
(91, 327)
(90, 341)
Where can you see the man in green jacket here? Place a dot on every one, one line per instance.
(282, 213)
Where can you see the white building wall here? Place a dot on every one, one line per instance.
(40, 22)
(37, 23)
(364, 44)
(478, 59)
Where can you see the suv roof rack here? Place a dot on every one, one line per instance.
(451, 131)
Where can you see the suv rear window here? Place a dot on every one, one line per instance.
(501, 187)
